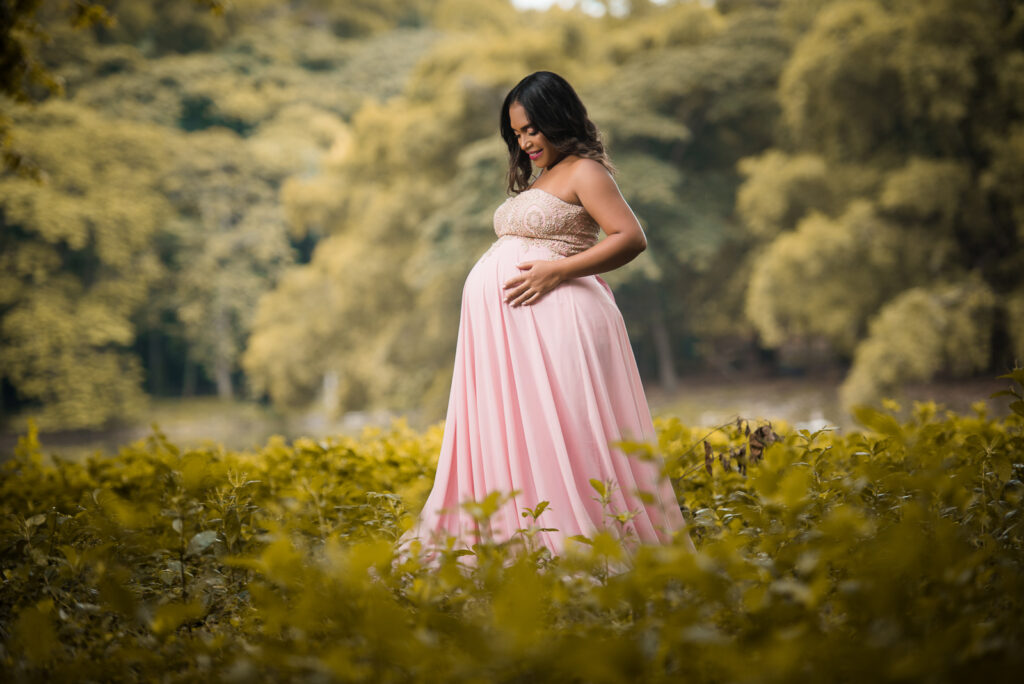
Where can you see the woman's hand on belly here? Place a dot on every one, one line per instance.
(536, 278)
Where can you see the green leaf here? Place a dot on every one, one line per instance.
(1017, 375)
(1002, 466)
(200, 542)
(877, 421)
(1017, 407)
(170, 616)
(1004, 393)
(605, 544)
(34, 633)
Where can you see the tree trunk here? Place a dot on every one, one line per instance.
(663, 350)
(188, 383)
(222, 367)
(222, 374)
(155, 352)
(330, 398)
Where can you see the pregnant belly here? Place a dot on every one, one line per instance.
(485, 282)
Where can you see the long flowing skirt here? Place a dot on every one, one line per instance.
(540, 395)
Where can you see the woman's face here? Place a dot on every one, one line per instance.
(531, 140)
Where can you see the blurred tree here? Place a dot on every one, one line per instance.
(679, 117)
(240, 193)
(780, 189)
(24, 77)
(415, 214)
(902, 117)
(799, 166)
(232, 244)
(38, 37)
(78, 262)
(169, 26)
(383, 289)
(363, 17)
(855, 263)
(920, 330)
(260, 70)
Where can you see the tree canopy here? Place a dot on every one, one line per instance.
(284, 201)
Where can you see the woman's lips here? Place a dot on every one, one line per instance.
(535, 155)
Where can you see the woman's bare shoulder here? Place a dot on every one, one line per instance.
(584, 165)
(589, 174)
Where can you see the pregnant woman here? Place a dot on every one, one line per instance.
(545, 381)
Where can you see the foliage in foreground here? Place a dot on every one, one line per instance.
(892, 554)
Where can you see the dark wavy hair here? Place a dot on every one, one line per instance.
(557, 112)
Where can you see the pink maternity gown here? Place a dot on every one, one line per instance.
(539, 394)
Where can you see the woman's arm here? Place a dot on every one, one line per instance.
(600, 196)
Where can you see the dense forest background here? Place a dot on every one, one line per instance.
(281, 200)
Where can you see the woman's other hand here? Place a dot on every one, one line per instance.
(535, 280)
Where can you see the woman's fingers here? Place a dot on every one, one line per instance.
(532, 298)
(523, 291)
(527, 296)
(515, 293)
(519, 295)
(515, 280)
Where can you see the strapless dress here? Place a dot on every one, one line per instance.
(540, 394)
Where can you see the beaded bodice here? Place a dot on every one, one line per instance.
(537, 215)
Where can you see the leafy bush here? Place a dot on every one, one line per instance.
(890, 554)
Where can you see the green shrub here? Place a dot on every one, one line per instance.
(890, 554)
